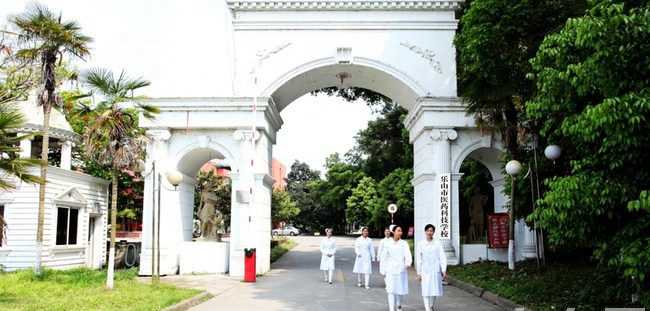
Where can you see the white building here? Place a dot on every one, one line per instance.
(75, 226)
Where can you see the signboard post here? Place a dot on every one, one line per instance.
(392, 208)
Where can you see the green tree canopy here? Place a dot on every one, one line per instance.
(593, 100)
(282, 208)
(360, 203)
(298, 180)
(384, 145)
(333, 192)
(494, 43)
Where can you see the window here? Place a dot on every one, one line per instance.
(66, 225)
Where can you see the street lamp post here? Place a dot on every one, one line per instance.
(512, 168)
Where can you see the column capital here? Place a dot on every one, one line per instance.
(159, 134)
(443, 134)
(246, 135)
(67, 143)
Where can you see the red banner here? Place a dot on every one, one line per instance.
(498, 231)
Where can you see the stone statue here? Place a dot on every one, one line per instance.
(476, 223)
(211, 218)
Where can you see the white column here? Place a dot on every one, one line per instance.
(66, 154)
(25, 147)
(441, 139)
(500, 201)
(529, 250)
(432, 158)
(452, 256)
(156, 149)
(238, 225)
(242, 218)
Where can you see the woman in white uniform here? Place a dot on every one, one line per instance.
(382, 246)
(327, 249)
(432, 267)
(365, 254)
(397, 258)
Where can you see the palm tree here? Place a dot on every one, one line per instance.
(113, 137)
(49, 38)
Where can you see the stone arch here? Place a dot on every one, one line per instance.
(365, 73)
(484, 151)
(188, 159)
(403, 50)
(487, 150)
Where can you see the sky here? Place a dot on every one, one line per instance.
(173, 44)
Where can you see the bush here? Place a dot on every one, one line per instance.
(283, 245)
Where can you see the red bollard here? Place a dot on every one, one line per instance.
(249, 265)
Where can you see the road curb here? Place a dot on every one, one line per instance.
(190, 302)
(484, 294)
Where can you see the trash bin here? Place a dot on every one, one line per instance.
(249, 265)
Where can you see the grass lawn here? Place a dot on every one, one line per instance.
(563, 283)
(85, 289)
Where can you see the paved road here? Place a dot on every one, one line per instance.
(295, 283)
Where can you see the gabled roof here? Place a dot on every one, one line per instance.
(72, 197)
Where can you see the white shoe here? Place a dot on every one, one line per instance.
(367, 287)
(359, 284)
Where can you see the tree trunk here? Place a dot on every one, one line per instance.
(111, 252)
(47, 108)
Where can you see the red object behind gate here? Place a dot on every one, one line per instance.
(498, 230)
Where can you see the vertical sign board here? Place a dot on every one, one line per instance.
(498, 230)
(445, 206)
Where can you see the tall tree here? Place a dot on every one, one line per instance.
(282, 208)
(494, 43)
(593, 78)
(16, 78)
(113, 137)
(298, 180)
(300, 172)
(396, 188)
(384, 145)
(333, 192)
(49, 37)
(130, 200)
(361, 201)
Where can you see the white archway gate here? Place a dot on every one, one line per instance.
(282, 50)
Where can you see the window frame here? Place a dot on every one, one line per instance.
(76, 228)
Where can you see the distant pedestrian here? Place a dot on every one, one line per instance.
(382, 246)
(432, 267)
(365, 255)
(397, 258)
(327, 249)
